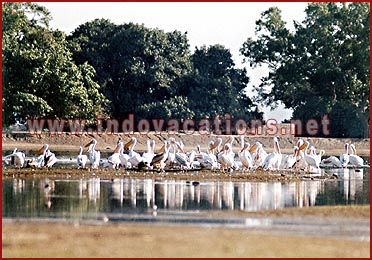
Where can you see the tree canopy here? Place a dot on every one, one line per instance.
(322, 67)
(40, 79)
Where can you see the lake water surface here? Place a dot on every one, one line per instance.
(129, 199)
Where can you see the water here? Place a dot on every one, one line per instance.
(129, 199)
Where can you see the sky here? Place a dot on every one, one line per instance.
(206, 23)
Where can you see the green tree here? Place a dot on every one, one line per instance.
(215, 86)
(138, 67)
(40, 78)
(320, 68)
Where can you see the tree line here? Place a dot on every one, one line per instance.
(101, 68)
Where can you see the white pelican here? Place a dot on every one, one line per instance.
(150, 153)
(39, 161)
(172, 152)
(225, 158)
(333, 161)
(185, 160)
(50, 158)
(311, 160)
(206, 160)
(81, 159)
(17, 158)
(134, 157)
(244, 155)
(291, 159)
(258, 154)
(124, 158)
(215, 147)
(114, 160)
(355, 160)
(160, 158)
(230, 142)
(300, 156)
(273, 160)
(318, 157)
(345, 158)
(93, 155)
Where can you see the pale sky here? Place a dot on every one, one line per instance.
(207, 23)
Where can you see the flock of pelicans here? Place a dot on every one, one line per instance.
(218, 155)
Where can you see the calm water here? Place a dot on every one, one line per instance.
(128, 199)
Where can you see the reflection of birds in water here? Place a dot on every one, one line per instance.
(48, 187)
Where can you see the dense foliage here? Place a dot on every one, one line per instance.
(320, 68)
(40, 79)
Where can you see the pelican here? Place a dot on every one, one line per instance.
(273, 160)
(318, 157)
(345, 158)
(114, 160)
(244, 155)
(17, 158)
(93, 155)
(172, 152)
(258, 154)
(206, 160)
(150, 153)
(160, 158)
(311, 160)
(181, 157)
(355, 160)
(291, 159)
(124, 158)
(50, 158)
(81, 159)
(225, 159)
(134, 157)
(230, 142)
(215, 147)
(39, 161)
(300, 157)
(332, 160)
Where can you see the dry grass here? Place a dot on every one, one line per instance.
(40, 239)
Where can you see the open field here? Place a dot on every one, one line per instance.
(51, 239)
